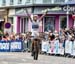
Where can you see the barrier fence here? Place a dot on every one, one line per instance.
(67, 47)
(11, 46)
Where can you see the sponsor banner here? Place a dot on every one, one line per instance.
(16, 46)
(73, 48)
(61, 49)
(45, 46)
(68, 47)
(4, 46)
(56, 43)
(7, 46)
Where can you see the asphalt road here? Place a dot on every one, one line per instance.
(26, 58)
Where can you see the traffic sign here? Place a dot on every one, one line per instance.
(7, 25)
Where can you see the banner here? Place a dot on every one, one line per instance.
(7, 46)
(68, 46)
(61, 49)
(4, 46)
(56, 48)
(48, 48)
(45, 46)
(52, 47)
(73, 48)
(16, 46)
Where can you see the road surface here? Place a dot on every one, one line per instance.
(26, 58)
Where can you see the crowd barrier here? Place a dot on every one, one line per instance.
(50, 48)
(11, 46)
(67, 47)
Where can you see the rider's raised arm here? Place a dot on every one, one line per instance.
(43, 15)
(28, 14)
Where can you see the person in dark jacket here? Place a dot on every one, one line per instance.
(35, 48)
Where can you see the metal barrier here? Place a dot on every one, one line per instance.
(50, 48)
(59, 48)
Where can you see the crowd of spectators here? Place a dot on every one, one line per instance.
(19, 36)
(61, 35)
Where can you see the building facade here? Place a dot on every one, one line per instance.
(59, 17)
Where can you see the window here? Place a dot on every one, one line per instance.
(2, 23)
(49, 23)
(27, 1)
(63, 22)
(59, 1)
(11, 2)
(23, 25)
(19, 1)
(46, 1)
(34, 1)
(70, 0)
(3, 2)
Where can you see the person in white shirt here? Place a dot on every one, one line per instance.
(35, 23)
